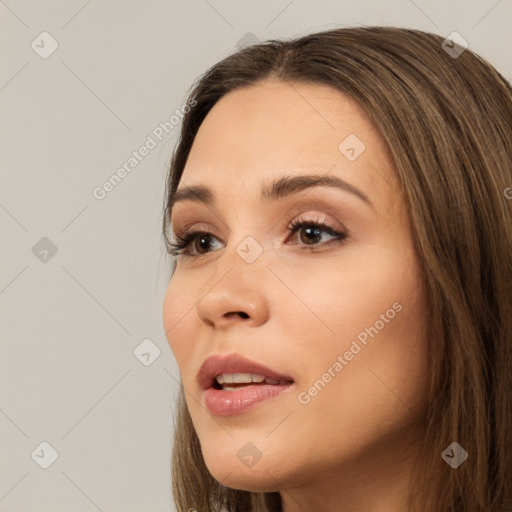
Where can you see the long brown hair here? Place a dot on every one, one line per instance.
(448, 124)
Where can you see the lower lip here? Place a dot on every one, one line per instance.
(228, 403)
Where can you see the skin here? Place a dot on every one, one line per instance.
(351, 448)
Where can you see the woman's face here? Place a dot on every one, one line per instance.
(336, 313)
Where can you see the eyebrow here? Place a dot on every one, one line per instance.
(283, 187)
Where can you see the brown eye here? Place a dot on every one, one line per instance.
(310, 232)
(202, 242)
(198, 243)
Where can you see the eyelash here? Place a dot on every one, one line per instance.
(183, 240)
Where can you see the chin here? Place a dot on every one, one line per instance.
(243, 467)
(245, 480)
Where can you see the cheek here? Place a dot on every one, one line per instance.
(177, 310)
(372, 312)
(374, 397)
(383, 388)
(344, 295)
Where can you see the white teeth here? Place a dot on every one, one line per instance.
(269, 380)
(240, 378)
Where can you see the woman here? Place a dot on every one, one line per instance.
(340, 306)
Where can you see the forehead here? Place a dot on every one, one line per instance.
(259, 133)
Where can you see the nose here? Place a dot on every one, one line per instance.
(237, 297)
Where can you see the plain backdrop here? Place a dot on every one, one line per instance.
(88, 381)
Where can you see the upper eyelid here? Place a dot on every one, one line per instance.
(204, 227)
(300, 208)
(199, 228)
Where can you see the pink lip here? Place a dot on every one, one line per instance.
(226, 403)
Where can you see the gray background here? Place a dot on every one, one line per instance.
(72, 320)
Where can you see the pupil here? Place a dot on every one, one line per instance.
(315, 232)
(201, 240)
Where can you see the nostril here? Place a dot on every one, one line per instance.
(243, 314)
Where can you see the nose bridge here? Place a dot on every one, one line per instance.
(235, 290)
(247, 248)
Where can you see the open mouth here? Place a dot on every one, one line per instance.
(233, 384)
(236, 381)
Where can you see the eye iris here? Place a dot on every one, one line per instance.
(314, 232)
(200, 240)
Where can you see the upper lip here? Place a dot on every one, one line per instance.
(232, 363)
